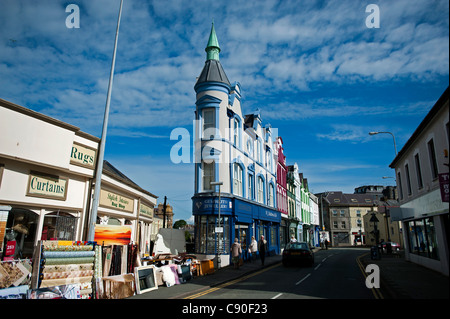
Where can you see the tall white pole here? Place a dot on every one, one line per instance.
(101, 153)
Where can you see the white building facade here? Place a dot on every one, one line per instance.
(47, 170)
(237, 150)
(422, 176)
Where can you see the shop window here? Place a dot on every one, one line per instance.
(422, 238)
(59, 226)
(207, 240)
(20, 231)
(273, 236)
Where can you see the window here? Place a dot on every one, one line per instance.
(237, 179)
(342, 212)
(343, 224)
(433, 162)
(358, 223)
(271, 195)
(399, 183)
(260, 190)
(408, 180)
(358, 213)
(418, 171)
(422, 238)
(236, 133)
(208, 175)
(334, 212)
(209, 123)
(335, 224)
(251, 186)
(207, 241)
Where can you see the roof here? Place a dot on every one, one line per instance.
(110, 170)
(213, 72)
(428, 118)
(341, 199)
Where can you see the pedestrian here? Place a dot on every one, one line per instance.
(293, 240)
(326, 243)
(262, 249)
(236, 253)
(253, 249)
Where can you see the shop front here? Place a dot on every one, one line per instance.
(238, 219)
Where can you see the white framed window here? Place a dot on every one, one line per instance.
(209, 123)
(237, 179)
(260, 190)
(236, 133)
(208, 175)
(270, 195)
(251, 186)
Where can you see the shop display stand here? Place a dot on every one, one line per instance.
(65, 267)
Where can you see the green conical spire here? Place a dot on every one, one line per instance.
(212, 48)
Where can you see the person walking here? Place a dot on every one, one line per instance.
(236, 253)
(262, 249)
(253, 249)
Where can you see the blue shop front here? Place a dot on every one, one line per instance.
(240, 219)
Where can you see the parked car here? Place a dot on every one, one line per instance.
(394, 246)
(298, 253)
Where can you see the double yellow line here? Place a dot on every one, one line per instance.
(228, 283)
(376, 291)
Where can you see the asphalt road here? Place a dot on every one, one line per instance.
(334, 275)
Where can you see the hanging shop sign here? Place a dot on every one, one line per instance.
(443, 183)
(47, 186)
(112, 200)
(146, 211)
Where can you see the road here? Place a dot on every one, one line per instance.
(334, 275)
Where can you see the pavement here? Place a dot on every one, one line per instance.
(402, 279)
(399, 279)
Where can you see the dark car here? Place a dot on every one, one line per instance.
(385, 246)
(298, 253)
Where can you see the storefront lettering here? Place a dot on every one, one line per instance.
(47, 186)
(83, 156)
(108, 199)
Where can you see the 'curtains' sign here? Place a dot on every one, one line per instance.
(47, 186)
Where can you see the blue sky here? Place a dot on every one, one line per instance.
(313, 68)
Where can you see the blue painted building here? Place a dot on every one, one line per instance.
(238, 150)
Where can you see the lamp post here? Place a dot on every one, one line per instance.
(219, 230)
(393, 137)
(98, 177)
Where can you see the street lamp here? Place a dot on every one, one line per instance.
(393, 137)
(219, 230)
(99, 169)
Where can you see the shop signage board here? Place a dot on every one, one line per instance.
(209, 204)
(83, 156)
(116, 201)
(47, 186)
(443, 183)
(145, 210)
